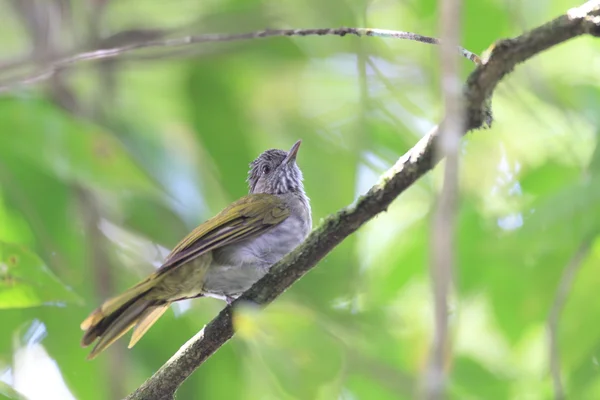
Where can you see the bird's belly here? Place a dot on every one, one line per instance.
(230, 281)
(237, 267)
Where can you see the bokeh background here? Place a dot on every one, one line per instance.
(105, 166)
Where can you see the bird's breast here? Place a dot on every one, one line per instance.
(237, 267)
(266, 249)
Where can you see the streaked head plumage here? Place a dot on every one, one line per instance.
(276, 172)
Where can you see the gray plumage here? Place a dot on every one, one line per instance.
(222, 257)
(227, 271)
(236, 268)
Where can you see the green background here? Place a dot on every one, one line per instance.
(104, 168)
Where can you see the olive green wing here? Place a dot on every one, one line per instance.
(249, 216)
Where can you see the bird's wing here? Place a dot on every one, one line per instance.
(247, 217)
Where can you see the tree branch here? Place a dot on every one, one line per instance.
(415, 163)
(103, 54)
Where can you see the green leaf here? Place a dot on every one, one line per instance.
(25, 281)
(363, 387)
(73, 150)
(579, 336)
(520, 282)
(469, 378)
(292, 357)
(548, 178)
(221, 124)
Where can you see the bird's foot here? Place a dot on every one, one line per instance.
(229, 300)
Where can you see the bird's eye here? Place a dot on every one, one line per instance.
(266, 169)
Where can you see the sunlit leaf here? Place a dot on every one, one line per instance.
(297, 355)
(580, 336)
(25, 281)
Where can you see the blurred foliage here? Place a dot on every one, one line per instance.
(106, 166)
(26, 282)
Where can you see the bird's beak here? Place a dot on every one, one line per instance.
(291, 157)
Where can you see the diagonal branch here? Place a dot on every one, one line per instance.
(102, 54)
(334, 229)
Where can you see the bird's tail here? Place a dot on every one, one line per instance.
(116, 316)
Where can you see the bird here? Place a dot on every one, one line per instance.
(221, 258)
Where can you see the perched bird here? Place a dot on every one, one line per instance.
(221, 258)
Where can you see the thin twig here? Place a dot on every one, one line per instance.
(63, 63)
(562, 291)
(442, 245)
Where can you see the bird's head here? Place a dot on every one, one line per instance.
(276, 172)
